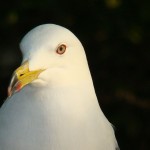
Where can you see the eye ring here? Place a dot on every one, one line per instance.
(61, 49)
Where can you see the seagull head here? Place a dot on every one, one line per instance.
(53, 56)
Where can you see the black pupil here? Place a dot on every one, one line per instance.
(61, 48)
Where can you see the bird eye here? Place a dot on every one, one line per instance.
(61, 49)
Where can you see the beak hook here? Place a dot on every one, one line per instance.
(14, 85)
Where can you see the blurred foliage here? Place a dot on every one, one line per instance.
(115, 34)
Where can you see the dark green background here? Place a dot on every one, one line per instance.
(116, 37)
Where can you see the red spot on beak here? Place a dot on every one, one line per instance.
(18, 87)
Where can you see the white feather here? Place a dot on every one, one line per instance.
(58, 111)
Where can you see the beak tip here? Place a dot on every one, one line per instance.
(12, 90)
(9, 92)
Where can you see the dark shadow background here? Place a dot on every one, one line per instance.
(116, 37)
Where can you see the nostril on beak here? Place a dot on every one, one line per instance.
(21, 75)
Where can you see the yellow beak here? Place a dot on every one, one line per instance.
(21, 77)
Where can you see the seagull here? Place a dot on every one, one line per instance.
(51, 102)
